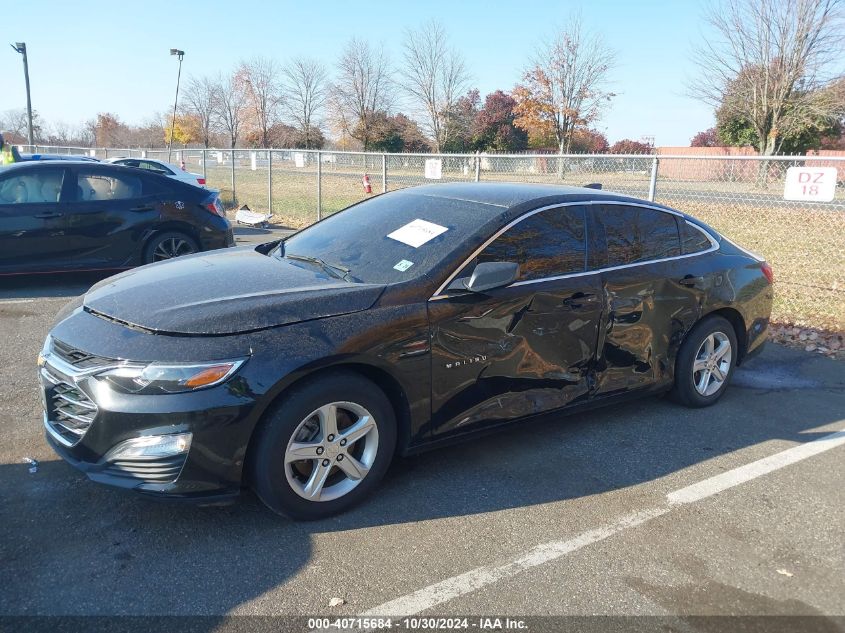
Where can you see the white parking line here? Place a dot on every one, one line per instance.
(5, 302)
(470, 581)
(473, 580)
(740, 475)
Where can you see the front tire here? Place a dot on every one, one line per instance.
(705, 363)
(324, 447)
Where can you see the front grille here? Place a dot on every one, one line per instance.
(160, 471)
(77, 357)
(71, 412)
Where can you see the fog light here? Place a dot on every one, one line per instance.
(151, 447)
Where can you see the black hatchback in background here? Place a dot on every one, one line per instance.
(80, 215)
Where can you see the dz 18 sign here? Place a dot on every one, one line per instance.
(816, 184)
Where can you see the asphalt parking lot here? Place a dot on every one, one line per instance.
(646, 508)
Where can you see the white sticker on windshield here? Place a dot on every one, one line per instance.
(417, 233)
(403, 265)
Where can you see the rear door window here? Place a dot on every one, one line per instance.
(693, 240)
(155, 168)
(96, 185)
(637, 234)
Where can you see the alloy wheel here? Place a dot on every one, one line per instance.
(172, 247)
(331, 451)
(712, 363)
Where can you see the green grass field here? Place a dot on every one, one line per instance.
(805, 246)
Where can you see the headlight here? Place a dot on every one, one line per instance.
(158, 378)
(45, 350)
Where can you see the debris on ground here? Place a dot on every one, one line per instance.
(783, 572)
(827, 343)
(33, 465)
(336, 602)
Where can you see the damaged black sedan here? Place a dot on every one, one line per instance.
(417, 317)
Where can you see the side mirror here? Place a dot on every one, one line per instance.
(489, 275)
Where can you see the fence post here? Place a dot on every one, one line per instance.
(652, 185)
(270, 182)
(204, 174)
(319, 186)
(477, 166)
(105, 152)
(232, 160)
(384, 173)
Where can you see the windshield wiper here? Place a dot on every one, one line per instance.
(334, 270)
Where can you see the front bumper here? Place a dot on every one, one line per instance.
(85, 420)
(126, 477)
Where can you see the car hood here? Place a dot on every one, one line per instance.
(226, 292)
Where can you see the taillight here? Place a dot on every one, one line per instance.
(201, 181)
(216, 207)
(768, 272)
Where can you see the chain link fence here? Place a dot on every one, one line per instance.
(740, 196)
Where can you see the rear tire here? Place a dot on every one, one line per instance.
(163, 246)
(705, 363)
(324, 447)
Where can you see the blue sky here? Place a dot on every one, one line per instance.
(96, 56)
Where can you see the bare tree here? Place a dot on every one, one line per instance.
(199, 99)
(363, 89)
(231, 103)
(305, 94)
(773, 64)
(231, 108)
(566, 86)
(14, 123)
(260, 79)
(435, 78)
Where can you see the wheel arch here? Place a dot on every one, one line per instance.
(170, 226)
(380, 377)
(735, 318)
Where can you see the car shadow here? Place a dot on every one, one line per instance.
(49, 285)
(72, 547)
(269, 229)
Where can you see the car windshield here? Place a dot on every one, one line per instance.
(391, 238)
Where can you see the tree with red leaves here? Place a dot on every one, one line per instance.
(707, 138)
(494, 129)
(627, 146)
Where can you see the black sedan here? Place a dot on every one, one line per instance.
(411, 319)
(80, 215)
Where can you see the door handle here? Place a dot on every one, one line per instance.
(143, 207)
(690, 280)
(578, 300)
(49, 214)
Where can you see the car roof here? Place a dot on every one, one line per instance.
(511, 195)
(48, 164)
(70, 157)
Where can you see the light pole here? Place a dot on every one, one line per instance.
(20, 47)
(180, 55)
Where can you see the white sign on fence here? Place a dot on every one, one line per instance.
(433, 168)
(816, 184)
(253, 160)
(299, 159)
